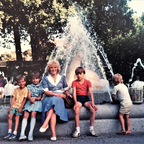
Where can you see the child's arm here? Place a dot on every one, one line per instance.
(113, 97)
(37, 98)
(22, 105)
(75, 99)
(12, 103)
(91, 96)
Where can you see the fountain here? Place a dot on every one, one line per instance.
(75, 47)
(136, 89)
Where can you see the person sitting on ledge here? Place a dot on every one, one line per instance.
(2, 84)
(17, 104)
(53, 103)
(125, 103)
(82, 88)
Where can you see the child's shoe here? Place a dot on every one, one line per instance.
(76, 134)
(22, 137)
(30, 138)
(53, 138)
(92, 133)
(12, 137)
(8, 135)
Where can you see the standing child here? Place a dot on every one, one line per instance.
(17, 103)
(33, 105)
(125, 103)
(82, 88)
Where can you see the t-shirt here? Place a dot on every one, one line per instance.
(82, 89)
(122, 93)
(19, 95)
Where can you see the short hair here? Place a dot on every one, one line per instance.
(79, 70)
(19, 77)
(36, 75)
(53, 62)
(117, 78)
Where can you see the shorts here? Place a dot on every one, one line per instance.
(83, 99)
(15, 111)
(125, 108)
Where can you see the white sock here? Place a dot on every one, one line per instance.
(23, 127)
(78, 129)
(9, 130)
(32, 125)
(91, 127)
(15, 132)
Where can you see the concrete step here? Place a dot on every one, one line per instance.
(106, 121)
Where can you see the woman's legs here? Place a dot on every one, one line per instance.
(53, 124)
(48, 117)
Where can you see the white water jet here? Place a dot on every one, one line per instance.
(136, 84)
(75, 47)
(135, 65)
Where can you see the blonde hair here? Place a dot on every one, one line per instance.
(53, 62)
(117, 78)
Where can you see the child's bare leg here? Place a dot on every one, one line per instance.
(121, 117)
(128, 124)
(53, 124)
(16, 122)
(10, 116)
(77, 109)
(49, 114)
(92, 112)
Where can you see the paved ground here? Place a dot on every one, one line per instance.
(112, 138)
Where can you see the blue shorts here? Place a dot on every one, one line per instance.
(15, 111)
(83, 99)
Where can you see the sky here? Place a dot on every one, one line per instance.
(136, 5)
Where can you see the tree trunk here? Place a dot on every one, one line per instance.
(17, 43)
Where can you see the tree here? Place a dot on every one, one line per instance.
(11, 21)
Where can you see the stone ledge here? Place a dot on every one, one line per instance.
(66, 129)
(105, 111)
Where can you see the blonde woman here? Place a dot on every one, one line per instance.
(53, 104)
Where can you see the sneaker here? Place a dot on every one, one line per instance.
(76, 134)
(92, 133)
(12, 137)
(8, 135)
(30, 138)
(22, 137)
(53, 138)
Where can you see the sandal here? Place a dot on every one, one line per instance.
(76, 134)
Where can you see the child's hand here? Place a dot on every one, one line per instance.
(20, 110)
(32, 101)
(9, 110)
(61, 95)
(94, 106)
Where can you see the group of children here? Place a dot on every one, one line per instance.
(82, 95)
